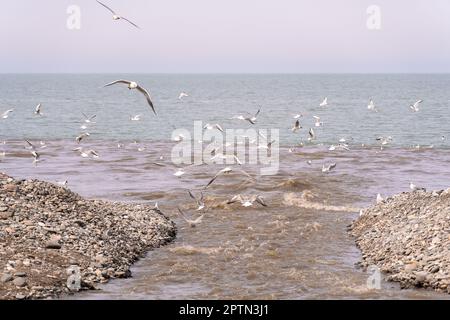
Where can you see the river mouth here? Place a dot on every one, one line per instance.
(295, 248)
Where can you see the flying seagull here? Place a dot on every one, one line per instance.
(297, 126)
(88, 119)
(324, 102)
(415, 107)
(224, 171)
(36, 157)
(199, 201)
(182, 95)
(5, 114)
(327, 169)
(136, 118)
(133, 85)
(248, 202)
(212, 127)
(318, 123)
(312, 134)
(371, 106)
(192, 223)
(253, 119)
(86, 154)
(38, 110)
(116, 16)
(81, 137)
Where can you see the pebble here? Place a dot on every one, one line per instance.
(20, 282)
(6, 277)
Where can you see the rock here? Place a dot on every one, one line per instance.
(421, 276)
(20, 282)
(411, 267)
(53, 243)
(20, 274)
(20, 296)
(6, 277)
(3, 209)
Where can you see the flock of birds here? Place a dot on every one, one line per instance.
(245, 201)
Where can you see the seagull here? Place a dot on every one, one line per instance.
(415, 107)
(136, 118)
(384, 141)
(248, 202)
(267, 146)
(371, 106)
(192, 223)
(212, 127)
(133, 85)
(379, 199)
(324, 102)
(224, 171)
(38, 110)
(182, 95)
(298, 116)
(309, 162)
(253, 119)
(327, 169)
(5, 114)
(30, 145)
(89, 119)
(312, 135)
(36, 157)
(179, 138)
(62, 183)
(200, 202)
(116, 16)
(86, 154)
(413, 187)
(81, 137)
(180, 172)
(297, 126)
(318, 123)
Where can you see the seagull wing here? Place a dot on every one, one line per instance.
(198, 220)
(260, 200)
(117, 81)
(183, 215)
(416, 104)
(192, 195)
(38, 108)
(104, 5)
(135, 25)
(219, 127)
(147, 96)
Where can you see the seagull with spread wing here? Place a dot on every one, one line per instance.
(133, 85)
(116, 16)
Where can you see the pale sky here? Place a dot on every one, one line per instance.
(237, 36)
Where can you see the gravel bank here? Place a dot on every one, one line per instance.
(408, 237)
(48, 234)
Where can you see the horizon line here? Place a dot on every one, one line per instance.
(228, 73)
